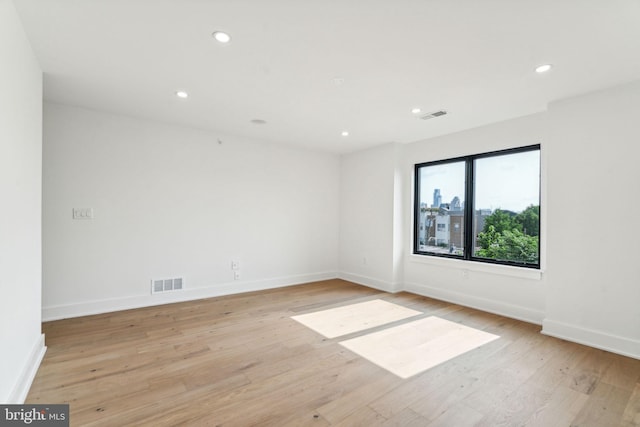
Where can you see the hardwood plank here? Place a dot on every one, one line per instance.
(559, 410)
(360, 395)
(459, 415)
(605, 407)
(433, 404)
(406, 418)
(631, 414)
(623, 372)
(240, 360)
(363, 417)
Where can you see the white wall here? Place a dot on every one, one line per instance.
(593, 253)
(171, 201)
(514, 292)
(367, 212)
(376, 225)
(21, 341)
(587, 289)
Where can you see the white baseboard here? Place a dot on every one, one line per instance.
(370, 282)
(496, 307)
(21, 389)
(188, 294)
(592, 338)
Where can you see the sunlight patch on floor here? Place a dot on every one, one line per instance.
(414, 347)
(336, 322)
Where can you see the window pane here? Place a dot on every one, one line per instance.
(441, 208)
(507, 207)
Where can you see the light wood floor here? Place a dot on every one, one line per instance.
(241, 360)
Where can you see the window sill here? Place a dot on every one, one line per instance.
(505, 270)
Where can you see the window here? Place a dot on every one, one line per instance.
(484, 207)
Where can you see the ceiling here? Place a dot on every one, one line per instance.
(313, 69)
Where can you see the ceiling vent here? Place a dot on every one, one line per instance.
(434, 114)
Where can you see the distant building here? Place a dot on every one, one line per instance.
(456, 237)
(455, 204)
(437, 198)
(442, 230)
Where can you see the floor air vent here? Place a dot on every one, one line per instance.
(166, 285)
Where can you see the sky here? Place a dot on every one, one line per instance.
(509, 182)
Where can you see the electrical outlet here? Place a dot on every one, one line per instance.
(235, 265)
(236, 275)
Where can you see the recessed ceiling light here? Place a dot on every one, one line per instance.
(345, 133)
(182, 94)
(415, 110)
(543, 68)
(221, 36)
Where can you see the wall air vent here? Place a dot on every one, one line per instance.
(165, 285)
(434, 114)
